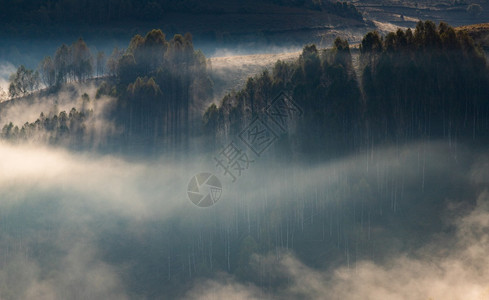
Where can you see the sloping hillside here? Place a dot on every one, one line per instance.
(230, 72)
(479, 32)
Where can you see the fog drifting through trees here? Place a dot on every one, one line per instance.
(67, 220)
(377, 189)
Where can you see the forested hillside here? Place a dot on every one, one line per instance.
(159, 87)
(431, 83)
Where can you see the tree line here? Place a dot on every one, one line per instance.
(160, 86)
(72, 63)
(432, 82)
(322, 82)
(70, 129)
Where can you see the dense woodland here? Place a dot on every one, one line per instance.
(160, 86)
(429, 83)
(323, 84)
(69, 64)
(58, 129)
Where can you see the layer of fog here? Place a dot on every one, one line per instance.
(28, 109)
(436, 271)
(60, 202)
(51, 199)
(452, 265)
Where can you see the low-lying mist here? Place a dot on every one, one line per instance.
(29, 118)
(400, 223)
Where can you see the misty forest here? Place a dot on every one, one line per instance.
(276, 149)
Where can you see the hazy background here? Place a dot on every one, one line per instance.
(107, 216)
